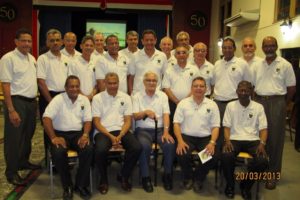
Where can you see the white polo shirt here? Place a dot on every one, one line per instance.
(158, 103)
(85, 71)
(172, 61)
(120, 66)
(20, 71)
(197, 120)
(128, 53)
(227, 75)
(179, 80)
(95, 55)
(111, 110)
(254, 60)
(245, 123)
(68, 116)
(64, 51)
(206, 71)
(54, 70)
(273, 79)
(143, 63)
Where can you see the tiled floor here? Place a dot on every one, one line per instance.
(288, 187)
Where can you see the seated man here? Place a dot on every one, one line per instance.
(196, 127)
(112, 111)
(245, 130)
(148, 106)
(67, 121)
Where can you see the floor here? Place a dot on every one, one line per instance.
(288, 187)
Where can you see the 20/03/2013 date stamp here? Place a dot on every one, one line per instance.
(265, 176)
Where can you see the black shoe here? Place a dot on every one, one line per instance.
(103, 188)
(147, 185)
(30, 166)
(198, 185)
(16, 180)
(168, 182)
(298, 149)
(68, 193)
(83, 192)
(270, 184)
(188, 184)
(229, 192)
(125, 185)
(245, 191)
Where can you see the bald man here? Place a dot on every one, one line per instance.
(166, 46)
(248, 49)
(99, 45)
(70, 40)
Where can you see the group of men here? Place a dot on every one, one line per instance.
(196, 105)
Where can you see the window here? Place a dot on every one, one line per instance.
(287, 9)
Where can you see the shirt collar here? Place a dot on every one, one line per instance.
(21, 55)
(109, 96)
(233, 60)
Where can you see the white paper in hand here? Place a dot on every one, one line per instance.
(204, 157)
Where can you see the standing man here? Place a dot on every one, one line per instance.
(248, 49)
(245, 129)
(196, 127)
(148, 59)
(112, 115)
(183, 39)
(99, 45)
(132, 40)
(67, 121)
(112, 61)
(70, 41)
(18, 78)
(228, 72)
(149, 106)
(274, 82)
(205, 68)
(166, 46)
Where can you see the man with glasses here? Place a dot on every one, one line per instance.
(183, 39)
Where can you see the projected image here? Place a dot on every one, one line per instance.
(117, 28)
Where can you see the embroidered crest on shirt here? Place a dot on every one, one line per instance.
(277, 70)
(158, 61)
(250, 115)
(208, 110)
(207, 72)
(124, 62)
(66, 64)
(233, 69)
(172, 64)
(82, 107)
(122, 103)
(191, 73)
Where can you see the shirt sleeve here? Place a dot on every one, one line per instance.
(227, 120)
(96, 106)
(128, 108)
(262, 119)
(290, 78)
(178, 116)
(215, 120)
(131, 66)
(87, 117)
(41, 67)
(6, 69)
(53, 108)
(165, 104)
(166, 82)
(100, 68)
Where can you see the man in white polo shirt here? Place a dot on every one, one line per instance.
(84, 68)
(70, 41)
(148, 106)
(148, 59)
(132, 40)
(112, 115)
(245, 129)
(18, 78)
(67, 121)
(99, 45)
(112, 61)
(248, 49)
(196, 127)
(166, 46)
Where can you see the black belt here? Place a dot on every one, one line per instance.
(23, 98)
(267, 97)
(225, 101)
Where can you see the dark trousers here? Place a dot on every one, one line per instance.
(275, 109)
(132, 152)
(172, 107)
(146, 136)
(257, 164)
(185, 160)
(17, 140)
(60, 159)
(297, 136)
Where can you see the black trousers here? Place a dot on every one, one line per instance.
(132, 152)
(185, 160)
(172, 107)
(257, 164)
(17, 140)
(60, 159)
(297, 136)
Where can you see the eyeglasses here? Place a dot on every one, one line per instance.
(151, 80)
(200, 50)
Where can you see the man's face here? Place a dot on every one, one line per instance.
(228, 50)
(24, 43)
(243, 92)
(99, 41)
(150, 82)
(200, 51)
(132, 41)
(87, 47)
(248, 47)
(183, 40)
(54, 42)
(149, 41)
(166, 45)
(269, 47)
(112, 45)
(181, 55)
(73, 88)
(112, 85)
(198, 88)
(70, 41)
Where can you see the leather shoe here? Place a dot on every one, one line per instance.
(270, 185)
(147, 185)
(84, 193)
(188, 184)
(168, 182)
(103, 188)
(125, 185)
(68, 193)
(16, 180)
(198, 185)
(30, 166)
(245, 192)
(298, 149)
(229, 192)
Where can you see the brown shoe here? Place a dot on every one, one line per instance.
(125, 185)
(270, 185)
(103, 188)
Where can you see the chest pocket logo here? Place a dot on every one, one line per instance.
(233, 69)
(207, 72)
(208, 110)
(158, 61)
(191, 74)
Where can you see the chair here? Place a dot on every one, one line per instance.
(72, 160)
